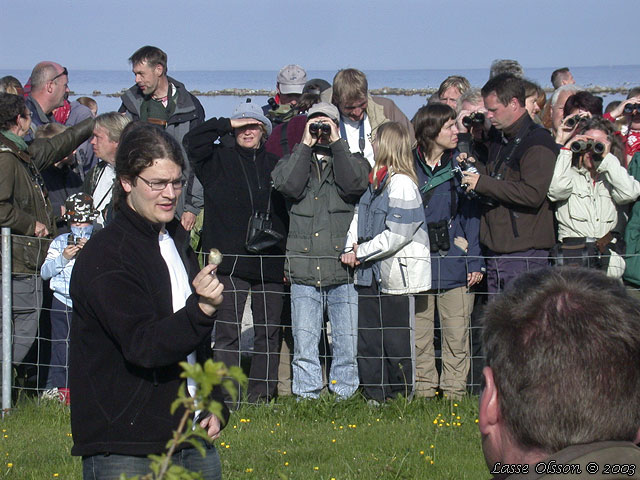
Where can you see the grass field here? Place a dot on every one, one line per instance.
(319, 440)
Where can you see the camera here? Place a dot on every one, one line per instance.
(576, 120)
(320, 128)
(71, 240)
(476, 118)
(582, 146)
(466, 167)
(630, 107)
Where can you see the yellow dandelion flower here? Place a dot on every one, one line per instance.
(316, 468)
(341, 427)
(448, 425)
(235, 426)
(227, 446)
(458, 417)
(277, 424)
(248, 470)
(439, 425)
(221, 444)
(431, 446)
(333, 440)
(459, 424)
(272, 431)
(431, 462)
(476, 420)
(333, 382)
(56, 474)
(455, 404)
(6, 436)
(286, 464)
(333, 422)
(4, 430)
(284, 453)
(437, 393)
(377, 419)
(421, 452)
(9, 465)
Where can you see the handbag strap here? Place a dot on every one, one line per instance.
(246, 178)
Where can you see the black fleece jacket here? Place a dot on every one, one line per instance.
(126, 342)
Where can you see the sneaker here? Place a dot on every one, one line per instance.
(51, 394)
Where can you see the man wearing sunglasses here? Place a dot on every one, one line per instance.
(49, 88)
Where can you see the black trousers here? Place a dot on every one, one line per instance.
(384, 344)
(266, 306)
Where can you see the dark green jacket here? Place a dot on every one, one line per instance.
(23, 201)
(321, 204)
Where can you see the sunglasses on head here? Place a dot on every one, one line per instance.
(64, 72)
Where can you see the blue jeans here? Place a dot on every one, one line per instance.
(109, 467)
(307, 306)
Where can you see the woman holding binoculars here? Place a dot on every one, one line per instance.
(588, 184)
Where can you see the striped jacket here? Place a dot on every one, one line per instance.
(393, 244)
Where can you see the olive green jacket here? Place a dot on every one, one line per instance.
(23, 198)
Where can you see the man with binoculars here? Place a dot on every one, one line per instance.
(517, 219)
(322, 182)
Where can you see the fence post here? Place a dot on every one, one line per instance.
(6, 320)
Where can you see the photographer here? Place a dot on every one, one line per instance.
(588, 183)
(453, 223)
(322, 182)
(237, 187)
(517, 220)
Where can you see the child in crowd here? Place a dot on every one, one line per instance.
(64, 249)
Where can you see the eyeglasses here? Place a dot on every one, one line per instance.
(64, 72)
(160, 186)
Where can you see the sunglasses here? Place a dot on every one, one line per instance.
(64, 72)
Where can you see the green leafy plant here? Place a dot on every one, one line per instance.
(206, 378)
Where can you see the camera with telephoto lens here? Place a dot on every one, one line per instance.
(582, 146)
(439, 236)
(320, 128)
(576, 120)
(476, 118)
(466, 167)
(630, 107)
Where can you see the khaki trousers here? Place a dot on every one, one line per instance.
(454, 309)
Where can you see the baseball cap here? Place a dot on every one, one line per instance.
(324, 108)
(291, 79)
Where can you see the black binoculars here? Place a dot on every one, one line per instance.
(320, 128)
(630, 107)
(581, 146)
(476, 118)
(573, 121)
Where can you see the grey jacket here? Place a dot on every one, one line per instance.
(188, 114)
(320, 203)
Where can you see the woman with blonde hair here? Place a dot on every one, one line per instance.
(388, 246)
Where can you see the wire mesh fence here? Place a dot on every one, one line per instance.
(256, 332)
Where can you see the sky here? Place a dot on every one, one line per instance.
(320, 35)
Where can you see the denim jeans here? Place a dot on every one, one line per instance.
(307, 306)
(109, 467)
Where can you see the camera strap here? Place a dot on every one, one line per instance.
(343, 133)
(246, 177)
(428, 190)
(522, 134)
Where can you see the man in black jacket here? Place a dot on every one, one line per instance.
(141, 306)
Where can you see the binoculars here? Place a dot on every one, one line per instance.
(630, 107)
(320, 128)
(573, 121)
(582, 146)
(476, 118)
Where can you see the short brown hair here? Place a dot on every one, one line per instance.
(564, 347)
(427, 123)
(456, 81)
(349, 85)
(152, 55)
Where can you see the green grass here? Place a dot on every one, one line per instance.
(317, 440)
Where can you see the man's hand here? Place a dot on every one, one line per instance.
(470, 179)
(40, 230)
(188, 220)
(209, 289)
(212, 425)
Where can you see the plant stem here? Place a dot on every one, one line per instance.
(176, 436)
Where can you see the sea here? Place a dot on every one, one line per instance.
(98, 84)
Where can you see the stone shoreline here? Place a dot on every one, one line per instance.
(408, 92)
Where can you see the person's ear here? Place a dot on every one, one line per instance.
(127, 185)
(489, 408)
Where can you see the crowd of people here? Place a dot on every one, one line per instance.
(327, 204)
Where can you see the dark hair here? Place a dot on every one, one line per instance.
(427, 123)
(506, 86)
(564, 346)
(11, 106)
(584, 101)
(152, 55)
(10, 84)
(140, 144)
(633, 92)
(531, 88)
(617, 145)
(558, 75)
